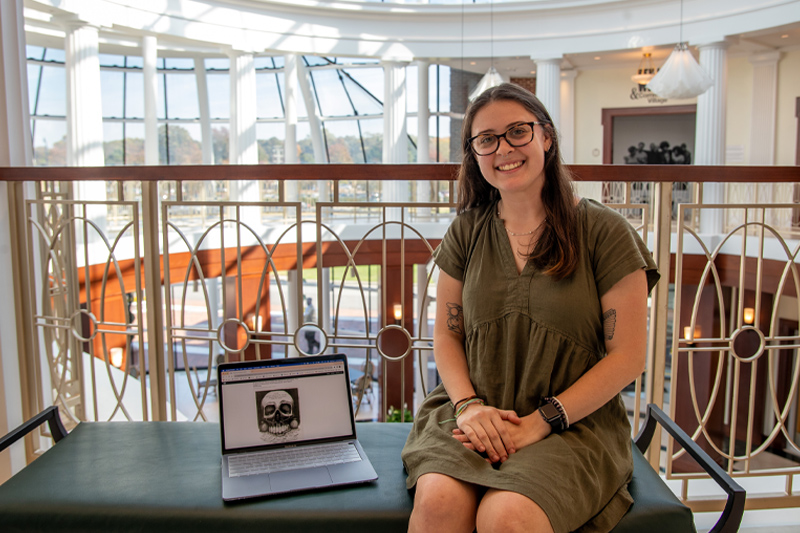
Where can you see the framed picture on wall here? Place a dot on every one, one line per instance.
(649, 135)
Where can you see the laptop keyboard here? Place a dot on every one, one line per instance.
(247, 464)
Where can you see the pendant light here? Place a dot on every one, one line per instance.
(680, 76)
(492, 78)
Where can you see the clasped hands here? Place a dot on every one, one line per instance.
(497, 433)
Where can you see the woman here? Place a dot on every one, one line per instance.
(541, 322)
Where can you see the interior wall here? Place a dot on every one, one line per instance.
(788, 92)
(612, 88)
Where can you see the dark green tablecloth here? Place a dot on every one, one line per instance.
(165, 476)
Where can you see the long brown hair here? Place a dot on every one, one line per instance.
(556, 251)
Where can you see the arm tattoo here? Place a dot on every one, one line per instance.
(455, 318)
(609, 323)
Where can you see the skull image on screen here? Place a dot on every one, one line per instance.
(278, 415)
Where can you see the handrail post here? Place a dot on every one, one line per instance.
(657, 332)
(152, 296)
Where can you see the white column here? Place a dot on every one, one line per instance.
(243, 145)
(206, 137)
(150, 77)
(423, 113)
(84, 113)
(314, 119)
(710, 130)
(763, 112)
(548, 87)
(395, 137)
(15, 150)
(290, 87)
(566, 130)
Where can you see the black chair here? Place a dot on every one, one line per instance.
(651, 510)
(49, 415)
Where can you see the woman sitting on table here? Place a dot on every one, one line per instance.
(541, 321)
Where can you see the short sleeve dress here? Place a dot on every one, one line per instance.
(527, 337)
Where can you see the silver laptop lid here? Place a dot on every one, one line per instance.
(275, 403)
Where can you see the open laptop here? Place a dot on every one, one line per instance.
(288, 425)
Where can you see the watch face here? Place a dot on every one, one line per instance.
(550, 412)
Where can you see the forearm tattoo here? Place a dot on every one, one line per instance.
(609, 323)
(455, 318)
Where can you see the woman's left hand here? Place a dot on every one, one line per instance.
(530, 430)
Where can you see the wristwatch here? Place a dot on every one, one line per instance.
(553, 417)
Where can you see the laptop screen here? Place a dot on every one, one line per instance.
(279, 402)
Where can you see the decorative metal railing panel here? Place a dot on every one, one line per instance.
(79, 326)
(736, 370)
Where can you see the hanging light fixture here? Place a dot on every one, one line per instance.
(645, 72)
(680, 76)
(492, 78)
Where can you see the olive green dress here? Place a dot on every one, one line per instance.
(527, 337)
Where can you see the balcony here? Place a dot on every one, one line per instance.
(126, 303)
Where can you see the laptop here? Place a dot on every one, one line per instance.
(288, 425)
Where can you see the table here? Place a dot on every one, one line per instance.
(165, 476)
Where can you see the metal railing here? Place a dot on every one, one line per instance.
(127, 304)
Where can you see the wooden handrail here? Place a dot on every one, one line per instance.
(383, 172)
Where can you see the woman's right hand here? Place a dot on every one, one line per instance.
(483, 429)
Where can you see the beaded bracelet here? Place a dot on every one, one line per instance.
(557, 404)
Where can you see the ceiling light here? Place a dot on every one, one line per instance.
(645, 72)
(492, 78)
(680, 76)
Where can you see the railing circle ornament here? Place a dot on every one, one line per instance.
(239, 324)
(393, 343)
(747, 344)
(309, 337)
(76, 326)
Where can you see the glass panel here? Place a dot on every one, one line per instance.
(220, 137)
(371, 79)
(33, 85)
(271, 137)
(112, 143)
(54, 54)
(344, 141)
(267, 95)
(179, 63)
(52, 95)
(364, 103)
(111, 84)
(304, 143)
(135, 61)
(34, 52)
(134, 95)
(264, 62)
(219, 90)
(184, 144)
(217, 63)
(279, 61)
(49, 142)
(109, 60)
(372, 133)
(333, 100)
(161, 112)
(182, 96)
(439, 97)
(134, 144)
(313, 61)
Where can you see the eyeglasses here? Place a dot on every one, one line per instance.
(516, 136)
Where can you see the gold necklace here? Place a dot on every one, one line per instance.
(531, 232)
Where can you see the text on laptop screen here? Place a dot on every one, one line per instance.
(277, 404)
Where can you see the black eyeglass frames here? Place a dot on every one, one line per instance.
(517, 136)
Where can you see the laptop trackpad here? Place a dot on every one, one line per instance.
(300, 479)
